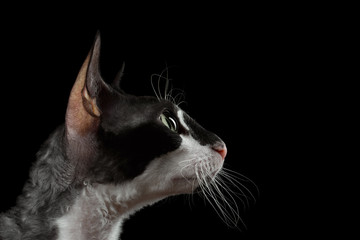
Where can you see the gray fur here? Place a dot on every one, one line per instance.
(45, 196)
(115, 141)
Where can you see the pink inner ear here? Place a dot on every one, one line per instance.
(90, 104)
(78, 120)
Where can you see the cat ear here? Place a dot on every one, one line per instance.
(83, 113)
(116, 83)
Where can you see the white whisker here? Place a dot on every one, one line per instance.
(224, 191)
(238, 192)
(234, 178)
(166, 82)
(228, 200)
(168, 93)
(209, 190)
(158, 85)
(152, 85)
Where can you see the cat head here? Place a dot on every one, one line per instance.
(114, 137)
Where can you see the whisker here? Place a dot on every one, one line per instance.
(226, 215)
(168, 89)
(178, 98)
(152, 85)
(224, 191)
(229, 201)
(240, 176)
(229, 206)
(238, 191)
(160, 77)
(224, 187)
(234, 178)
(239, 195)
(166, 81)
(158, 85)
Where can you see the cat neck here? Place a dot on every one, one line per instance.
(78, 208)
(100, 209)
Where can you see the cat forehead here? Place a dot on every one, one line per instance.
(144, 105)
(125, 110)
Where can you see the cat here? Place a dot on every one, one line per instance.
(115, 154)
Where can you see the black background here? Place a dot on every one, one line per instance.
(250, 74)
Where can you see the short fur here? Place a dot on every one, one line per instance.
(111, 157)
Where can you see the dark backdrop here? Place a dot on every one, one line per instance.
(245, 74)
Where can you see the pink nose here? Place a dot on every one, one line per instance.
(222, 150)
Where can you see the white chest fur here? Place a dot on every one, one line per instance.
(93, 216)
(99, 211)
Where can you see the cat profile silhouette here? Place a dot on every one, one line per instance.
(115, 154)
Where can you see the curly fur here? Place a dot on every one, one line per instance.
(112, 156)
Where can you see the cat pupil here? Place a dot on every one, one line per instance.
(168, 121)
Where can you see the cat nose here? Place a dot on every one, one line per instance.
(221, 149)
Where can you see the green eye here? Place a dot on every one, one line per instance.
(169, 121)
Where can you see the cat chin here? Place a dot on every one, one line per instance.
(191, 184)
(185, 185)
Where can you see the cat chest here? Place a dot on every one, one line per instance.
(89, 219)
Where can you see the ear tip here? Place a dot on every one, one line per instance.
(95, 49)
(98, 34)
(118, 77)
(97, 41)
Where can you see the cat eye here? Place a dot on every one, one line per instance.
(169, 121)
